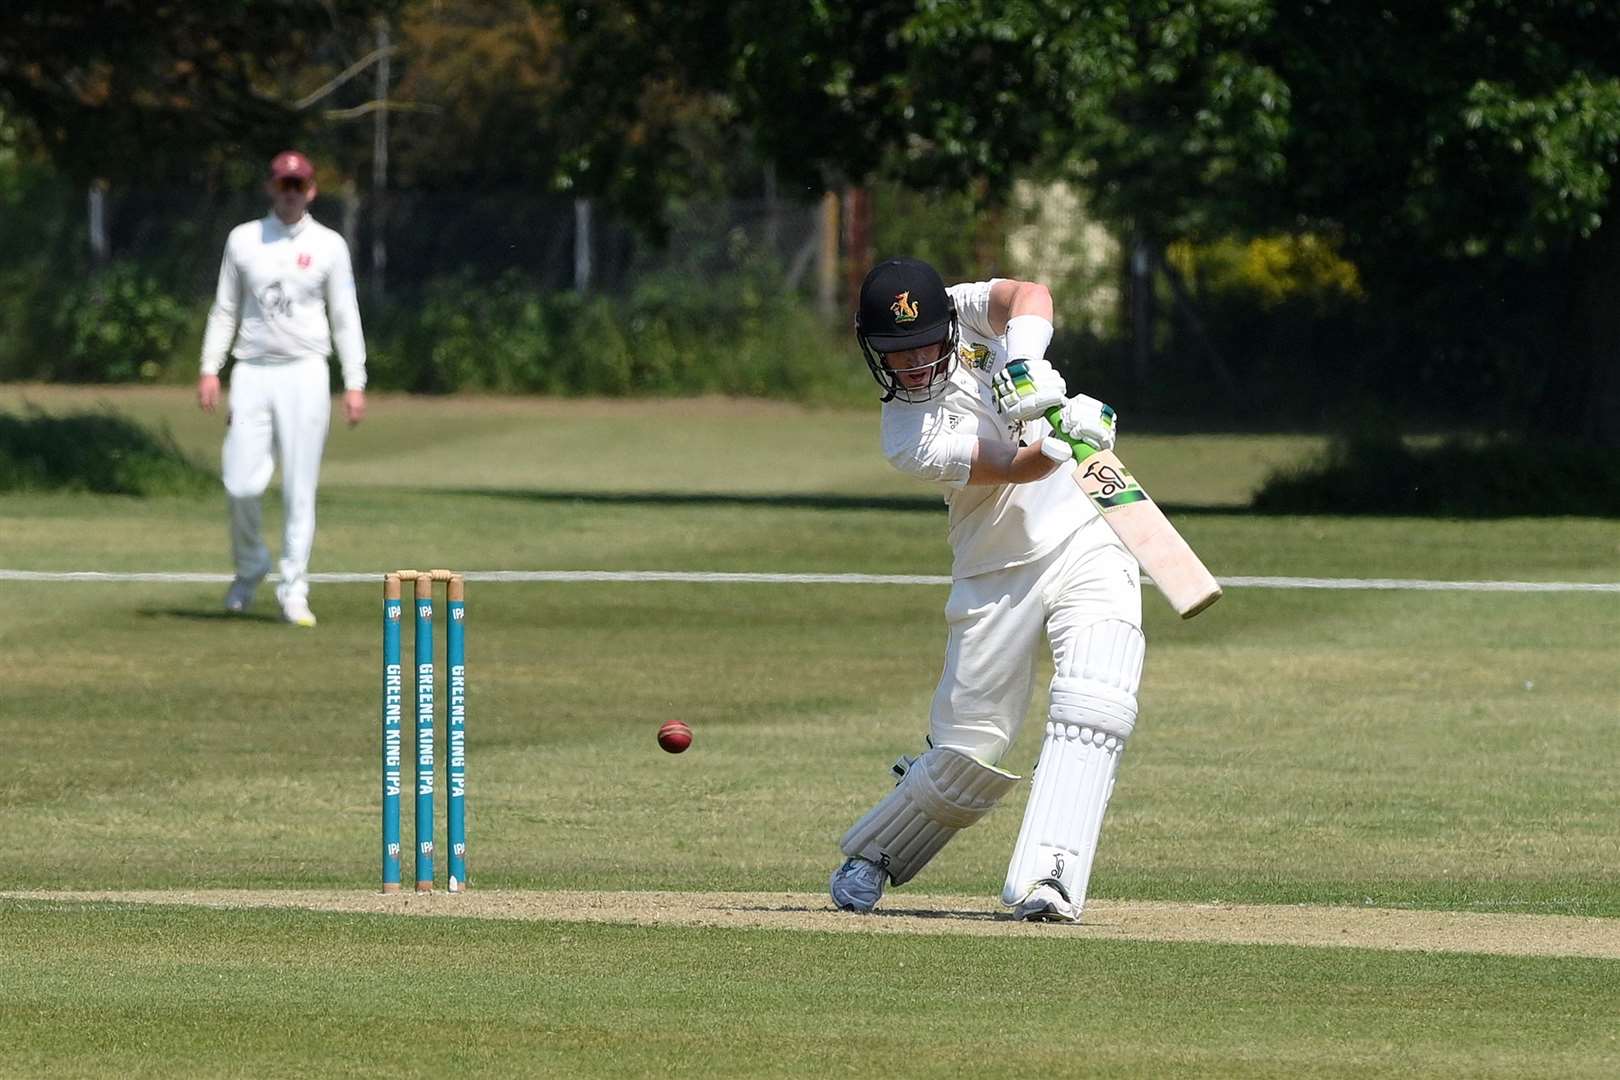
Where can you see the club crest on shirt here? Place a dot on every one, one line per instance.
(304, 259)
(275, 302)
(974, 356)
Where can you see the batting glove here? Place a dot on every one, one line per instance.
(1085, 419)
(1025, 389)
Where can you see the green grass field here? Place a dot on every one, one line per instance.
(1451, 752)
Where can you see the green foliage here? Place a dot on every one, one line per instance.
(643, 116)
(738, 336)
(101, 452)
(60, 319)
(1453, 148)
(168, 88)
(1468, 478)
(486, 75)
(119, 326)
(948, 229)
(1568, 135)
(464, 337)
(38, 244)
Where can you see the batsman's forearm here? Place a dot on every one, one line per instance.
(998, 463)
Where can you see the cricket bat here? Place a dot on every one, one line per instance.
(1142, 527)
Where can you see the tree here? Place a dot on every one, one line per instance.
(122, 90)
(1471, 143)
(491, 74)
(645, 100)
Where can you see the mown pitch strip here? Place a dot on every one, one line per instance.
(1117, 920)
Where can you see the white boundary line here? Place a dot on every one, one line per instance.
(717, 578)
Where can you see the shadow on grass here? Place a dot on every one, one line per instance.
(943, 914)
(206, 615)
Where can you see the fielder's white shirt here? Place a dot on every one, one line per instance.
(291, 288)
(992, 526)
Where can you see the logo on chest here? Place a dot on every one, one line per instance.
(304, 259)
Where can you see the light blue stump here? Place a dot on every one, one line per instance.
(424, 733)
(455, 662)
(392, 705)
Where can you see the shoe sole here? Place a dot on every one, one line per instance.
(1044, 913)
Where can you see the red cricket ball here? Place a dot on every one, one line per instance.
(674, 736)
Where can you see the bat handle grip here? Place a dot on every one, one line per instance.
(1082, 450)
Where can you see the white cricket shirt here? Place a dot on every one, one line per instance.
(286, 292)
(992, 526)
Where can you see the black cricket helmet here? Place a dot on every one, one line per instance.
(904, 306)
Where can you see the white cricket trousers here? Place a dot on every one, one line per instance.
(285, 408)
(995, 622)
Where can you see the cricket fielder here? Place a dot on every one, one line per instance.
(965, 389)
(285, 298)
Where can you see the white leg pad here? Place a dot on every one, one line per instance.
(942, 792)
(1092, 715)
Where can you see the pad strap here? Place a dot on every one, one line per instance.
(1086, 704)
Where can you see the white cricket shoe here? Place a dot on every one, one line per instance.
(239, 597)
(297, 612)
(858, 884)
(1045, 903)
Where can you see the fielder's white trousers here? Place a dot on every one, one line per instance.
(283, 408)
(995, 622)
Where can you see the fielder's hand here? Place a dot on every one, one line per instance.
(1085, 419)
(1025, 389)
(208, 393)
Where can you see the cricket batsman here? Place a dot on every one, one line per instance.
(965, 389)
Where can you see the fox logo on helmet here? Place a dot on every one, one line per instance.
(904, 307)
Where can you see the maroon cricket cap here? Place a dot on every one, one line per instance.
(291, 163)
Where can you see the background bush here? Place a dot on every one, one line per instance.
(742, 336)
(120, 325)
(1459, 477)
(1273, 332)
(102, 452)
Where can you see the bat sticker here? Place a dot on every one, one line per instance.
(1111, 487)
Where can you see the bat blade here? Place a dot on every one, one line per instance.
(1142, 527)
